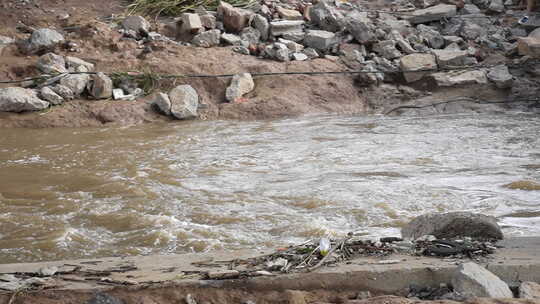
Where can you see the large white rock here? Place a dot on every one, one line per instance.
(241, 84)
(448, 79)
(529, 290)
(76, 83)
(51, 63)
(100, 86)
(472, 280)
(449, 58)
(163, 102)
(184, 102)
(75, 64)
(16, 99)
(207, 39)
(136, 23)
(43, 39)
(413, 64)
(46, 93)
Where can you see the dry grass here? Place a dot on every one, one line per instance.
(176, 7)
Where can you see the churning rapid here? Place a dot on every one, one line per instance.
(196, 186)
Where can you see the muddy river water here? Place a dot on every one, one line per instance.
(182, 187)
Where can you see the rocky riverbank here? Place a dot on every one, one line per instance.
(407, 57)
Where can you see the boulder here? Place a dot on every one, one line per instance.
(500, 76)
(207, 39)
(100, 86)
(231, 39)
(433, 13)
(261, 24)
(474, 281)
(529, 290)
(470, 9)
(403, 44)
(241, 84)
(291, 45)
(299, 56)
(65, 92)
(184, 102)
(529, 46)
(234, 19)
(250, 35)
(163, 102)
(496, 6)
(289, 14)
(46, 93)
(449, 58)
(43, 39)
(320, 40)
(278, 51)
(326, 17)
(190, 23)
(362, 30)
(279, 28)
(137, 24)
(413, 64)
(453, 224)
(454, 78)
(16, 99)
(51, 63)
(75, 64)
(208, 21)
(387, 49)
(432, 37)
(470, 30)
(76, 83)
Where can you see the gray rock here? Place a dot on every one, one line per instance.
(471, 30)
(163, 102)
(454, 78)
(251, 35)
(470, 9)
(432, 37)
(65, 92)
(294, 36)
(48, 271)
(241, 84)
(299, 56)
(51, 63)
(320, 40)
(535, 34)
(15, 99)
(241, 50)
(208, 21)
(361, 29)
(42, 40)
(75, 64)
(529, 290)
(231, 39)
(474, 281)
(234, 19)
(326, 17)
(5, 41)
(278, 51)
(207, 39)
(403, 44)
(103, 298)
(100, 86)
(501, 76)
(433, 13)
(137, 24)
(279, 28)
(311, 53)
(449, 58)
(291, 45)
(260, 23)
(76, 83)
(413, 65)
(289, 14)
(184, 102)
(190, 23)
(46, 93)
(454, 224)
(387, 49)
(496, 6)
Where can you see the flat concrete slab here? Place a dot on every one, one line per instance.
(518, 261)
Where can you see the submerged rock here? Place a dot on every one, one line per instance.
(453, 224)
(472, 280)
(15, 99)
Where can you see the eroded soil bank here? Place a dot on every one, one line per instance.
(88, 27)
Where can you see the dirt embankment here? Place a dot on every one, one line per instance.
(97, 41)
(99, 44)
